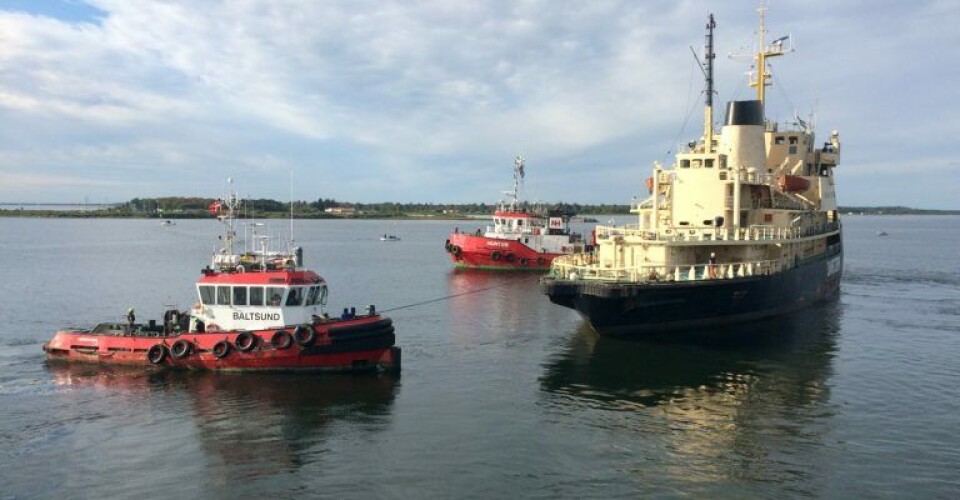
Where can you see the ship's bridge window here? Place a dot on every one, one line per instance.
(684, 163)
(223, 295)
(696, 163)
(519, 222)
(778, 139)
(793, 140)
(207, 294)
(256, 296)
(708, 163)
(274, 295)
(295, 297)
(239, 295)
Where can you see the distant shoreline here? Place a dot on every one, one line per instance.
(115, 214)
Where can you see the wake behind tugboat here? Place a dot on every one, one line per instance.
(745, 225)
(258, 310)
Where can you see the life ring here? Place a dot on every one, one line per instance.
(281, 340)
(245, 341)
(304, 335)
(221, 349)
(541, 261)
(157, 353)
(455, 249)
(524, 262)
(495, 255)
(509, 257)
(241, 269)
(181, 349)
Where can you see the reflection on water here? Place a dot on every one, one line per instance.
(716, 399)
(501, 304)
(257, 424)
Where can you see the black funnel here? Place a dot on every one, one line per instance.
(744, 113)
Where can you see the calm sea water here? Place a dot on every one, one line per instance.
(502, 393)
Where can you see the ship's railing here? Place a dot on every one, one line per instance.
(585, 267)
(711, 233)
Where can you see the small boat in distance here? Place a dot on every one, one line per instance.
(257, 310)
(519, 239)
(389, 237)
(881, 233)
(167, 222)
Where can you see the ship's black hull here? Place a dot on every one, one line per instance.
(623, 309)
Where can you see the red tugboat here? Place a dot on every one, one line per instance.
(519, 240)
(257, 310)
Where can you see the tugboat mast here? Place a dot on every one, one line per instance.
(517, 179)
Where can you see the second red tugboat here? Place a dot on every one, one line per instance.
(519, 240)
(257, 310)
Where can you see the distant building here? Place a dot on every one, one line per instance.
(341, 210)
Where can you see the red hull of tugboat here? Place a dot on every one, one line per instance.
(363, 343)
(479, 252)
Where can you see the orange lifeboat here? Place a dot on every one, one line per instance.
(791, 183)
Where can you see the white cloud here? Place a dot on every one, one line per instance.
(400, 95)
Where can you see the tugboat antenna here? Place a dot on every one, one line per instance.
(291, 209)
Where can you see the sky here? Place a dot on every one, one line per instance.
(430, 101)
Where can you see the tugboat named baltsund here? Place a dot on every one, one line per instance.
(257, 310)
(745, 225)
(519, 240)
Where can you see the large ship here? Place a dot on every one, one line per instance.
(743, 225)
(519, 240)
(256, 310)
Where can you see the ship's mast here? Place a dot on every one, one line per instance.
(764, 51)
(708, 70)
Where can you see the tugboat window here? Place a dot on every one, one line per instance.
(295, 298)
(207, 294)
(312, 296)
(223, 296)
(275, 295)
(239, 295)
(256, 296)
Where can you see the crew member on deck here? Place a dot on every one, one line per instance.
(712, 268)
(131, 317)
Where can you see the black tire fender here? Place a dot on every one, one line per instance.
(181, 349)
(221, 349)
(281, 339)
(304, 335)
(245, 341)
(157, 354)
